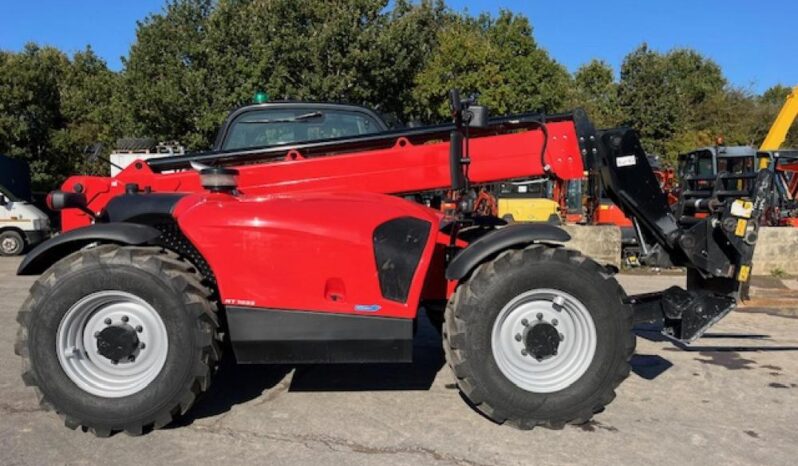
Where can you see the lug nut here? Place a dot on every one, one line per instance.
(114, 362)
(525, 323)
(540, 316)
(125, 319)
(107, 321)
(142, 345)
(518, 337)
(132, 358)
(96, 334)
(562, 337)
(554, 322)
(524, 352)
(139, 328)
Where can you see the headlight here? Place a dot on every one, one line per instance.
(41, 224)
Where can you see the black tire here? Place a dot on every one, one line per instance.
(11, 243)
(477, 302)
(134, 144)
(172, 287)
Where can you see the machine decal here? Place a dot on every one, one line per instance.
(367, 307)
(625, 161)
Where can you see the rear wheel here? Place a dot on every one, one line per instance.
(11, 243)
(119, 338)
(539, 336)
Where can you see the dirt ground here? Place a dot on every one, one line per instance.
(730, 398)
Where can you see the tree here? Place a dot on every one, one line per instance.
(90, 108)
(660, 94)
(166, 93)
(51, 107)
(197, 60)
(30, 109)
(597, 92)
(495, 58)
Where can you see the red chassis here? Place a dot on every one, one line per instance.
(320, 210)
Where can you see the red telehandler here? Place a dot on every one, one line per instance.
(312, 258)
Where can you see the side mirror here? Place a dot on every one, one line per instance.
(477, 116)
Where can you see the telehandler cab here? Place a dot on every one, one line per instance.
(309, 257)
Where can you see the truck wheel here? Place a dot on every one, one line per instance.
(118, 338)
(11, 243)
(539, 336)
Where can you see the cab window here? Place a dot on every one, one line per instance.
(288, 126)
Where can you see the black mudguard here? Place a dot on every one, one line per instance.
(498, 240)
(51, 251)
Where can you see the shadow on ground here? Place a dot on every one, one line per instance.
(236, 384)
(652, 332)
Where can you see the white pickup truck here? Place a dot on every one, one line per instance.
(21, 224)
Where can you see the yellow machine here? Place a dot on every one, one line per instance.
(781, 126)
(528, 210)
(527, 202)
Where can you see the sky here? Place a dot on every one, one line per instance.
(753, 41)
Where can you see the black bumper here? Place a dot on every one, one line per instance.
(32, 238)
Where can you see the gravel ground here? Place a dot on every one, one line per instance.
(730, 398)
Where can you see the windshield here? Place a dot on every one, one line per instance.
(736, 165)
(9, 195)
(696, 164)
(288, 126)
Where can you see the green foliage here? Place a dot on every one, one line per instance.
(197, 59)
(498, 59)
(660, 94)
(50, 107)
(597, 92)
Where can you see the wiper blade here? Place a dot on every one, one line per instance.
(298, 118)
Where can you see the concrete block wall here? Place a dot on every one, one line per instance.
(600, 243)
(776, 249)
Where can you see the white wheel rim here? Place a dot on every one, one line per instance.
(573, 356)
(9, 245)
(76, 344)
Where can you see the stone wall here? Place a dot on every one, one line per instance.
(776, 249)
(600, 243)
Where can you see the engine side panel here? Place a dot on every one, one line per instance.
(313, 251)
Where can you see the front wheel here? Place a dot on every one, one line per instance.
(118, 338)
(539, 336)
(11, 243)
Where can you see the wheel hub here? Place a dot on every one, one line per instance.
(8, 245)
(542, 341)
(118, 343)
(112, 343)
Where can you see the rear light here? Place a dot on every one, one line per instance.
(48, 201)
(219, 179)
